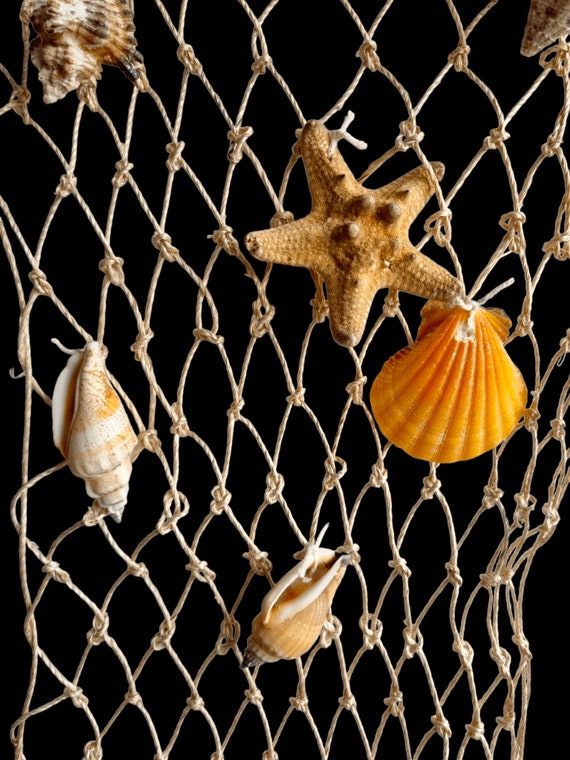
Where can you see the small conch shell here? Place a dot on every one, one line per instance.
(455, 392)
(294, 611)
(92, 430)
(75, 37)
(547, 21)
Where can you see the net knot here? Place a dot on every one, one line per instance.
(320, 307)
(525, 505)
(237, 138)
(179, 425)
(558, 426)
(395, 702)
(258, 561)
(150, 441)
(18, 102)
(552, 145)
(138, 569)
(261, 63)
(274, 486)
(67, 185)
(224, 238)
(453, 574)
(299, 703)
(263, 313)
(200, 333)
(465, 652)
(98, 634)
(496, 138)
(139, 347)
(492, 496)
(459, 57)
(355, 388)
(400, 565)
(134, 698)
(475, 730)
(413, 641)
(229, 635)
(522, 643)
(280, 218)
(93, 751)
(297, 398)
(379, 475)
(187, 58)
(332, 628)
(168, 518)
(524, 327)
(410, 135)
(557, 58)
(490, 579)
(254, 696)
(332, 475)
(347, 701)
(163, 243)
(78, 698)
(165, 633)
(175, 160)
(55, 572)
(235, 408)
(200, 570)
(391, 304)
(195, 702)
(122, 174)
(441, 725)
(270, 754)
(40, 282)
(221, 498)
(551, 520)
(368, 55)
(513, 224)
(558, 246)
(503, 660)
(87, 93)
(112, 268)
(431, 486)
(439, 226)
(507, 721)
(372, 629)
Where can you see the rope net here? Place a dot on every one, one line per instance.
(123, 217)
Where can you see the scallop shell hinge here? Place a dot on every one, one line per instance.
(455, 393)
(75, 37)
(92, 430)
(294, 611)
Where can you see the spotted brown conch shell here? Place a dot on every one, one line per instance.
(294, 611)
(75, 37)
(455, 392)
(92, 430)
(547, 21)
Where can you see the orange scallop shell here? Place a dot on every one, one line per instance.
(455, 392)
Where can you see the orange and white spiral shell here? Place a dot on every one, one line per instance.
(455, 393)
(75, 37)
(92, 430)
(294, 611)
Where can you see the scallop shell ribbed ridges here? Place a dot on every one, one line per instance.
(455, 393)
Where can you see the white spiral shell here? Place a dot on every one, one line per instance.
(92, 430)
(75, 37)
(295, 609)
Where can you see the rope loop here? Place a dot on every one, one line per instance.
(237, 138)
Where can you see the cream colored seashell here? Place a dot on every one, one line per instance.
(75, 37)
(547, 21)
(455, 392)
(294, 611)
(92, 430)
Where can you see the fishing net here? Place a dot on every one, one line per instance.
(123, 212)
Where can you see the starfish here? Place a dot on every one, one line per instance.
(547, 21)
(356, 239)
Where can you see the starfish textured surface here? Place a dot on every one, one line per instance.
(356, 239)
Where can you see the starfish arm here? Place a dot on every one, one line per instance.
(411, 191)
(349, 303)
(297, 243)
(327, 172)
(415, 273)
